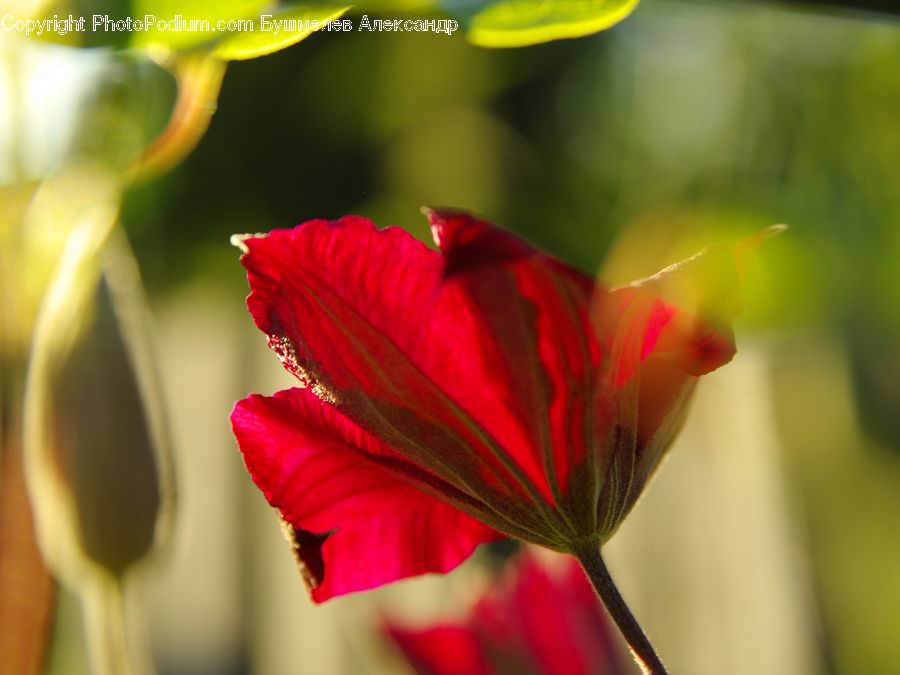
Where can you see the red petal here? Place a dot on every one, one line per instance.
(670, 346)
(361, 314)
(682, 314)
(662, 333)
(322, 472)
(468, 243)
(455, 374)
(534, 619)
(552, 617)
(534, 329)
(442, 650)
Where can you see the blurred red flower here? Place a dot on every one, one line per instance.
(453, 397)
(538, 619)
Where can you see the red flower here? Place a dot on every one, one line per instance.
(450, 398)
(536, 620)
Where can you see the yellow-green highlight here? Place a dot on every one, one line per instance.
(520, 23)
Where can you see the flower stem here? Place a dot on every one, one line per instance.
(640, 646)
(112, 648)
(199, 81)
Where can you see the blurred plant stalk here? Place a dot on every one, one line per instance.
(199, 80)
(94, 436)
(28, 590)
(81, 409)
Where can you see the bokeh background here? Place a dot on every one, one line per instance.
(768, 542)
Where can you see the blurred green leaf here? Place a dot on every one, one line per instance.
(249, 45)
(203, 10)
(68, 106)
(235, 29)
(518, 23)
(227, 30)
(96, 444)
(165, 28)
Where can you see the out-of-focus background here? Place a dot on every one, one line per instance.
(768, 542)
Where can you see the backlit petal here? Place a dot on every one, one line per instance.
(357, 521)
(534, 328)
(372, 322)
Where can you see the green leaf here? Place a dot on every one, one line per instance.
(228, 30)
(249, 45)
(518, 23)
(178, 37)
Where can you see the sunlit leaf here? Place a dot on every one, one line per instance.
(170, 35)
(259, 42)
(518, 23)
(240, 29)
